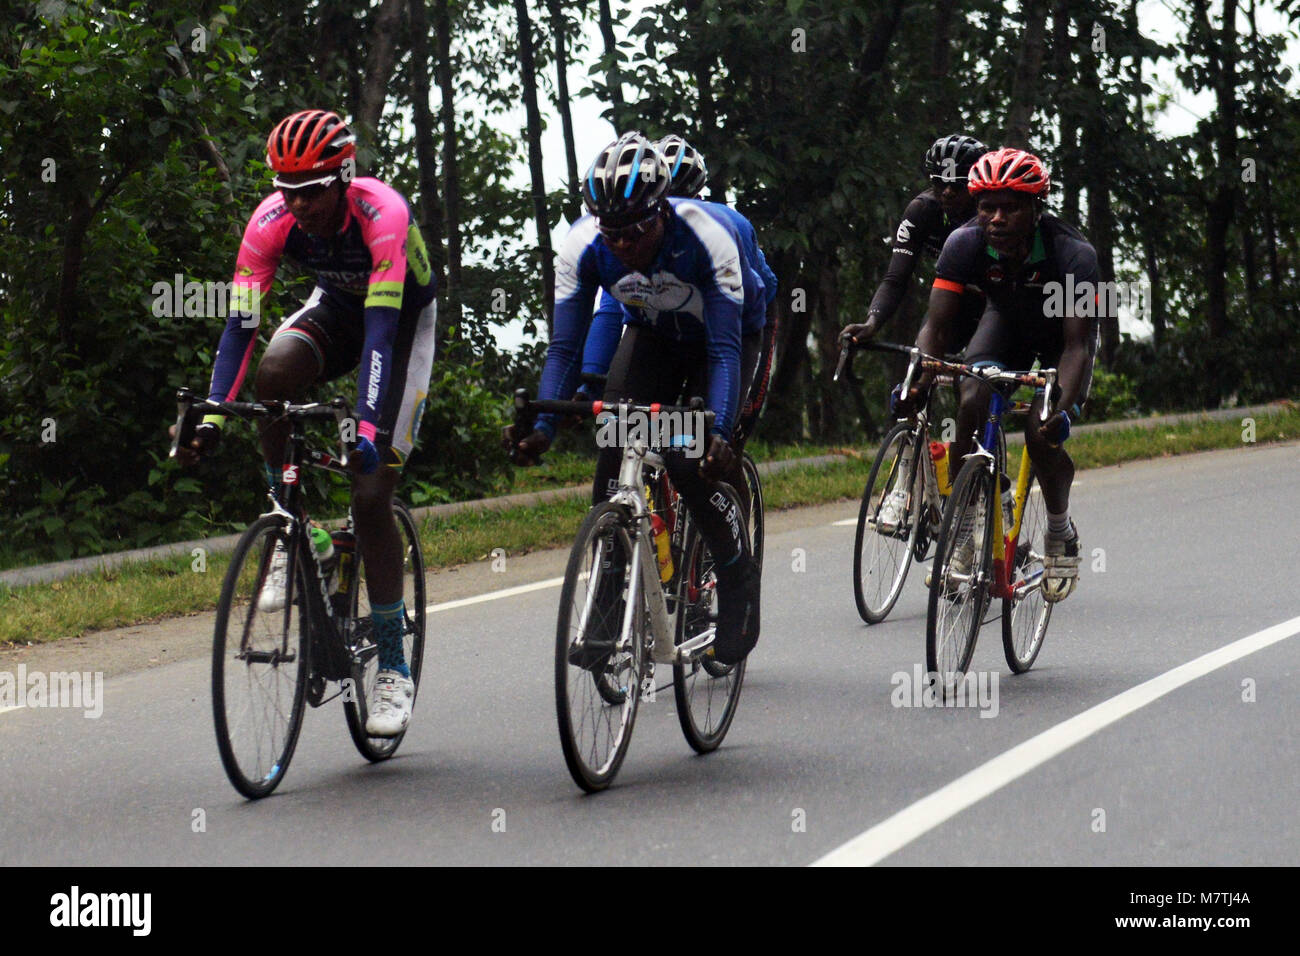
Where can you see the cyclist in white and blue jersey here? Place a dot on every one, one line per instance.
(689, 177)
(695, 317)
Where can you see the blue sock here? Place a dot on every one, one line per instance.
(389, 620)
(272, 479)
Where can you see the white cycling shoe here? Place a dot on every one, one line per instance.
(277, 578)
(892, 512)
(390, 705)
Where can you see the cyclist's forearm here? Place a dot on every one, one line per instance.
(1074, 374)
(234, 353)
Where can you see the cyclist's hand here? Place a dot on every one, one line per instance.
(1056, 429)
(527, 451)
(904, 406)
(574, 421)
(207, 435)
(364, 458)
(861, 332)
(718, 460)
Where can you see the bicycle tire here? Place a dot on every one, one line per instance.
(703, 726)
(365, 673)
(873, 606)
(594, 733)
(256, 770)
(1024, 622)
(949, 648)
(756, 508)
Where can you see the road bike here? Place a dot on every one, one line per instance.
(904, 471)
(639, 590)
(268, 664)
(989, 538)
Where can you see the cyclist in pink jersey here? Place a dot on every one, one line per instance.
(373, 306)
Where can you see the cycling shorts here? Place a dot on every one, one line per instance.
(336, 336)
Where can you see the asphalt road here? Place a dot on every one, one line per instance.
(1199, 552)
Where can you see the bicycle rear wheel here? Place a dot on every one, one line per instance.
(358, 633)
(706, 691)
(599, 662)
(1024, 621)
(958, 586)
(881, 558)
(260, 664)
(756, 515)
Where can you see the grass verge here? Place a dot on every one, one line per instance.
(149, 592)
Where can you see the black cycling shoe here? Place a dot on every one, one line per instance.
(605, 623)
(738, 610)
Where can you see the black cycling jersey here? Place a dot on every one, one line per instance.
(923, 231)
(1058, 251)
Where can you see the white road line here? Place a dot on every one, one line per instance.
(494, 595)
(5, 710)
(902, 828)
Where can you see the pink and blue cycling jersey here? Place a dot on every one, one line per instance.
(375, 267)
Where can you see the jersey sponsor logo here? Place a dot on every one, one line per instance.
(995, 274)
(905, 230)
(903, 250)
(663, 292)
(244, 271)
(367, 210)
(385, 264)
(274, 213)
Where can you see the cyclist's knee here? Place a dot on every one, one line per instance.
(286, 370)
(372, 495)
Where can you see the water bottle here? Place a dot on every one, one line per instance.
(345, 546)
(324, 547)
(662, 547)
(1008, 505)
(939, 454)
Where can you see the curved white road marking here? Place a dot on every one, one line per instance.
(927, 813)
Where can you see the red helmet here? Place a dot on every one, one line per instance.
(1008, 168)
(309, 141)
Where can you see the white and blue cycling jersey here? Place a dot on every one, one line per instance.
(705, 286)
(607, 324)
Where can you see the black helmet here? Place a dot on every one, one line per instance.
(951, 157)
(686, 166)
(626, 182)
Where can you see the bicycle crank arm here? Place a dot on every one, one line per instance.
(693, 650)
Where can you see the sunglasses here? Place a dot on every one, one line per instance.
(313, 189)
(628, 233)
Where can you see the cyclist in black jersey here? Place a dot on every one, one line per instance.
(1041, 281)
(927, 222)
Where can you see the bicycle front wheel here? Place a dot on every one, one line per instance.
(358, 632)
(599, 662)
(882, 553)
(706, 691)
(260, 662)
(1025, 620)
(959, 577)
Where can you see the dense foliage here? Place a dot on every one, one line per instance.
(131, 139)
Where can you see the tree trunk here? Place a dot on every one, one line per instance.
(529, 76)
(1157, 299)
(74, 242)
(1067, 115)
(379, 65)
(450, 168)
(1025, 86)
(1222, 60)
(572, 205)
(1097, 166)
(426, 153)
(612, 76)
